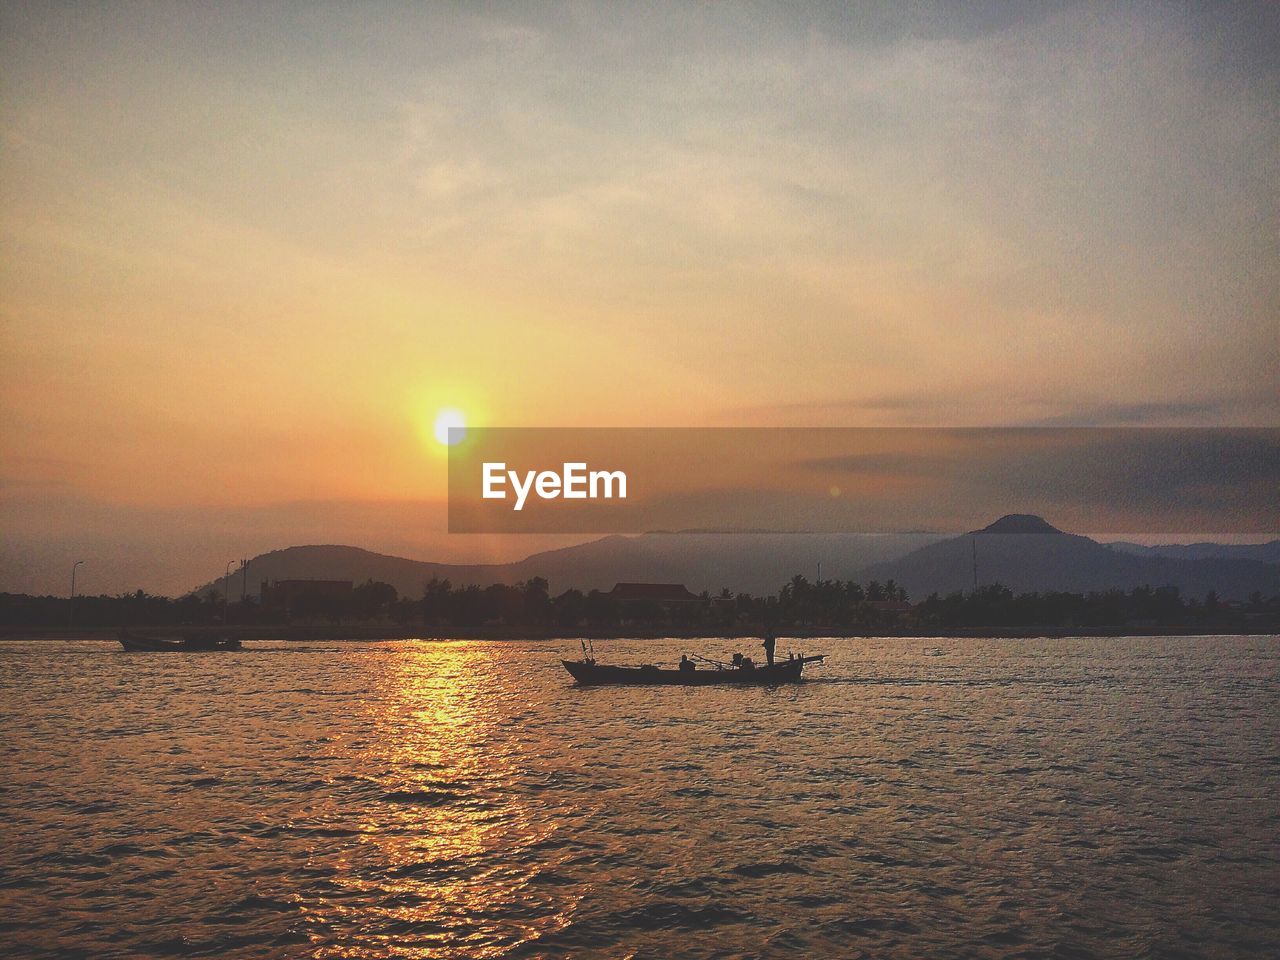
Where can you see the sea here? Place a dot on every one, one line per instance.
(913, 798)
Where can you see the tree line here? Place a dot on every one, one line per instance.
(836, 606)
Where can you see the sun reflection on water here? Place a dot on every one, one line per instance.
(448, 860)
(465, 800)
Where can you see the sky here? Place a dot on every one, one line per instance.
(250, 251)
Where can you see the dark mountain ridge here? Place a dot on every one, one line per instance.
(1022, 552)
(1042, 558)
(1268, 552)
(757, 563)
(1021, 523)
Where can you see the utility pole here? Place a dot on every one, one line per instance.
(71, 613)
(226, 584)
(974, 541)
(244, 579)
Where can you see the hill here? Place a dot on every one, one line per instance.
(1028, 554)
(1268, 552)
(757, 563)
(1022, 552)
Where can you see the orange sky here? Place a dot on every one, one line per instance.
(249, 254)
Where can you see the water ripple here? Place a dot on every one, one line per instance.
(1064, 798)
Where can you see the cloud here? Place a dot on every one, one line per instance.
(1129, 414)
(240, 243)
(1225, 477)
(1020, 197)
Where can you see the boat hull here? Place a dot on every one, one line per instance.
(590, 674)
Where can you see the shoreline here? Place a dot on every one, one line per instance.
(368, 633)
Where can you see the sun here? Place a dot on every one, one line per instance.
(450, 426)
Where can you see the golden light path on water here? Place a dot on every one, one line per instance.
(1080, 797)
(450, 839)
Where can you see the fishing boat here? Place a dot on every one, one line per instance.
(197, 643)
(590, 674)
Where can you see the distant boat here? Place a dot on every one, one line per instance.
(590, 674)
(137, 643)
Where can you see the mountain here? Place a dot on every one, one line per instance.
(744, 562)
(1026, 553)
(1022, 552)
(1020, 523)
(1268, 552)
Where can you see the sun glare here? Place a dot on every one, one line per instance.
(450, 420)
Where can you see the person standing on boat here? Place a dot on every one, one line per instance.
(769, 644)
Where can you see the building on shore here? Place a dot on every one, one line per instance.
(667, 596)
